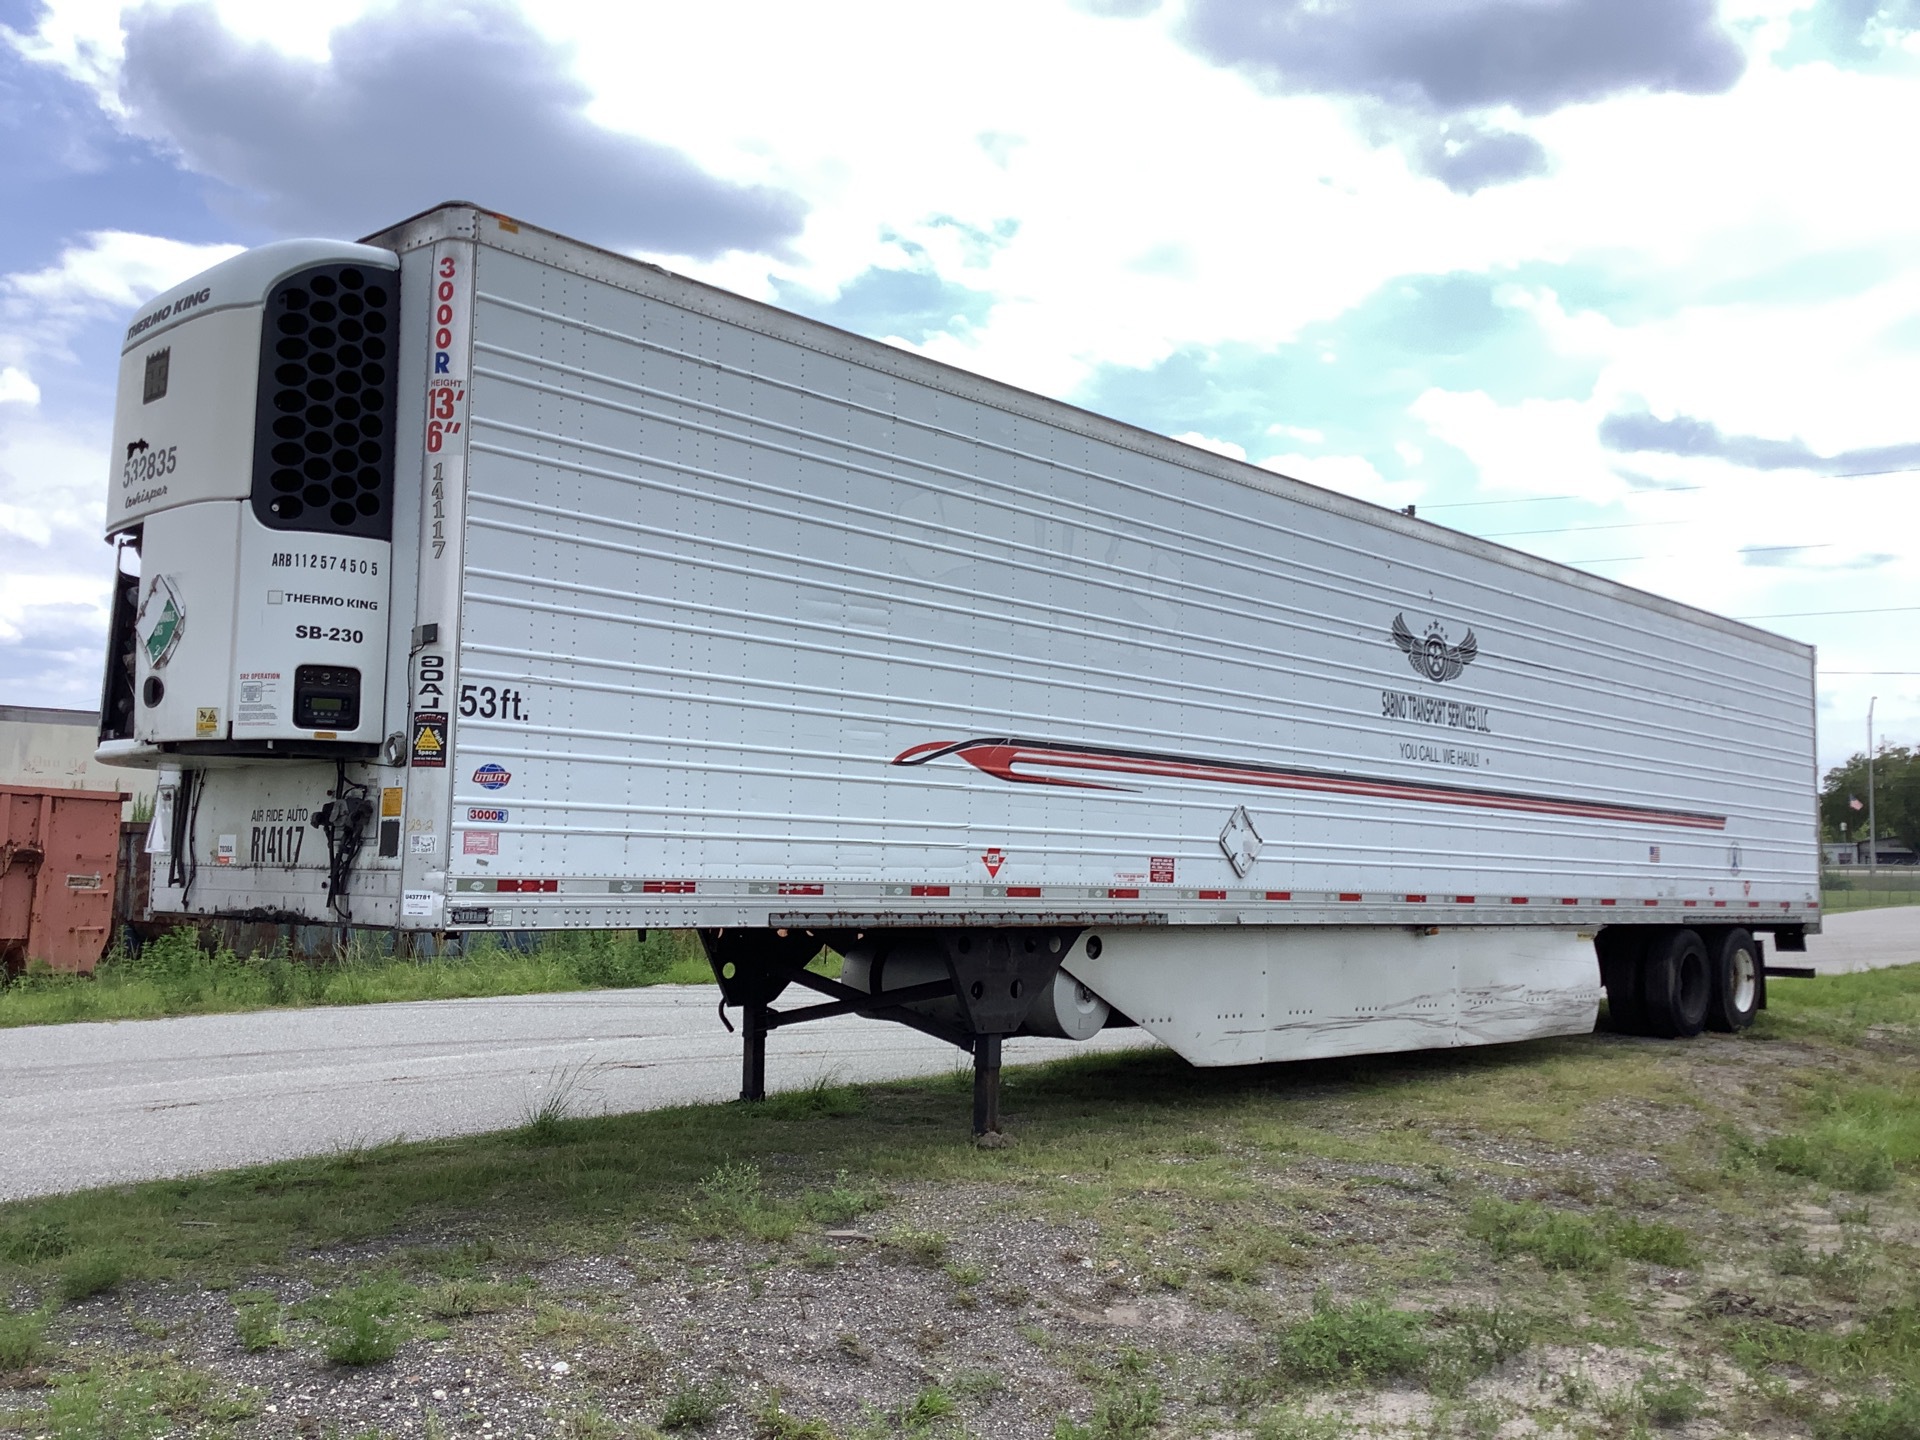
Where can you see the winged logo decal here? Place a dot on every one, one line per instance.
(1432, 657)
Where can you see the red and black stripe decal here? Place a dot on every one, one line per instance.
(1012, 760)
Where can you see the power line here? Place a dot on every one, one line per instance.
(1569, 529)
(1544, 499)
(1808, 614)
(1651, 490)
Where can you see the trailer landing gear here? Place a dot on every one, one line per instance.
(990, 981)
(986, 1090)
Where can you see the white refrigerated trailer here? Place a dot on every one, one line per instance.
(473, 578)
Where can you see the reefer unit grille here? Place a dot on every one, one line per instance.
(323, 437)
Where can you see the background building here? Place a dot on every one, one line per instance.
(54, 748)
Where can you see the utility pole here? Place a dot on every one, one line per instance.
(1873, 830)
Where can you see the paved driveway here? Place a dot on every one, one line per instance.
(90, 1104)
(93, 1104)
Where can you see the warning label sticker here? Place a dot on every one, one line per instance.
(430, 740)
(1160, 870)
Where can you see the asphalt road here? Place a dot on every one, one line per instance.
(97, 1104)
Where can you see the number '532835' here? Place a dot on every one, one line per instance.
(149, 464)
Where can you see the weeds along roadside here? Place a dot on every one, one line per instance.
(178, 974)
(1614, 1236)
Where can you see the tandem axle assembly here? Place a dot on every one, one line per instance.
(971, 988)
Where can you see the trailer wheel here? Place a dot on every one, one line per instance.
(1676, 984)
(1733, 962)
(1622, 950)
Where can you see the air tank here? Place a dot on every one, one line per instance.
(1064, 1009)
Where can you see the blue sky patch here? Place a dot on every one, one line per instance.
(914, 305)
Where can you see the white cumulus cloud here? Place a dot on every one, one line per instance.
(17, 387)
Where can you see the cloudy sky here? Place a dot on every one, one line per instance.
(1632, 284)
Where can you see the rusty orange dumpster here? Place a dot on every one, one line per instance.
(58, 851)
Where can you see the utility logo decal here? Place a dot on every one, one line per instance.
(492, 777)
(430, 740)
(1041, 762)
(163, 620)
(1433, 658)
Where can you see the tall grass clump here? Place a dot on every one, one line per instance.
(23, 1339)
(365, 1323)
(1859, 1138)
(1558, 1239)
(1362, 1342)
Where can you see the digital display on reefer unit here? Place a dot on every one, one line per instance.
(326, 697)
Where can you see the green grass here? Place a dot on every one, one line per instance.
(1894, 1417)
(1158, 1165)
(125, 1400)
(176, 975)
(1361, 1342)
(1650, 1241)
(23, 1339)
(1859, 1135)
(928, 1407)
(1123, 1412)
(1558, 1239)
(923, 1247)
(1469, 1341)
(365, 1324)
(1843, 1007)
(1669, 1400)
(694, 1406)
(1094, 1131)
(258, 1321)
(771, 1422)
(93, 1272)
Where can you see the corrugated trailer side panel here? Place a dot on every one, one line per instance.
(763, 619)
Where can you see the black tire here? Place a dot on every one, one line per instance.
(1676, 985)
(1622, 949)
(1733, 964)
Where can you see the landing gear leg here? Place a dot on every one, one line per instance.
(986, 1086)
(753, 967)
(753, 1052)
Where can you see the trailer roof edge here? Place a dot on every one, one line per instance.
(464, 220)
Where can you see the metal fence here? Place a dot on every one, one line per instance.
(1856, 887)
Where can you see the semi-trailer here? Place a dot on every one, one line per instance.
(472, 578)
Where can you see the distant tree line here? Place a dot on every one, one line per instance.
(1896, 788)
